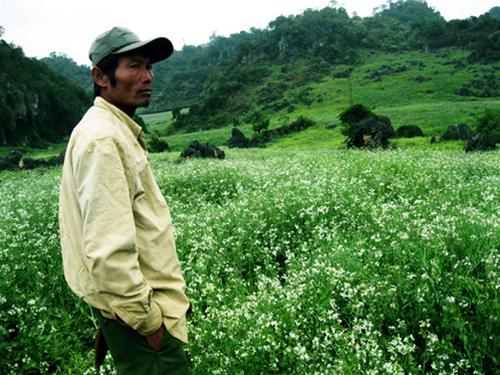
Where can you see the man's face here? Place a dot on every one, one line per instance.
(134, 80)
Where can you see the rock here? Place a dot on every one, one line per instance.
(202, 150)
(420, 79)
(11, 161)
(409, 131)
(238, 139)
(371, 132)
(480, 142)
(14, 157)
(29, 163)
(457, 132)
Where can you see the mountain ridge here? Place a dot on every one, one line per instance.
(232, 79)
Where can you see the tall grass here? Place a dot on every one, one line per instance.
(303, 262)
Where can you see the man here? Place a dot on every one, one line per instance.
(116, 234)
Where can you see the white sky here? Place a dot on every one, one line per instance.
(70, 26)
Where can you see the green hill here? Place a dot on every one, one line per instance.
(36, 106)
(405, 62)
(430, 90)
(66, 67)
(272, 69)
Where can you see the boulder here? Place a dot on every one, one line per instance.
(11, 161)
(29, 163)
(202, 150)
(460, 132)
(371, 132)
(238, 139)
(409, 131)
(480, 142)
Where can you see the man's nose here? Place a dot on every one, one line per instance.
(148, 76)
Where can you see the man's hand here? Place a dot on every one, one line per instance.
(155, 339)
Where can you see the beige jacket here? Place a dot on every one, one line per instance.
(117, 242)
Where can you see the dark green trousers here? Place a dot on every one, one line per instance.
(134, 356)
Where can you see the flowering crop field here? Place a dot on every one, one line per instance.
(297, 262)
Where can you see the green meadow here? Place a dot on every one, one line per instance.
(324, 261)
(302, 257)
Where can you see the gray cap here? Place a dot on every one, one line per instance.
(119, 40)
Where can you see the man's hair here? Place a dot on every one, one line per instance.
(108, 67)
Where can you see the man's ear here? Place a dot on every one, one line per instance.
(99, 77)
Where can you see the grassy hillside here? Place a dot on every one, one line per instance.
(413, 88)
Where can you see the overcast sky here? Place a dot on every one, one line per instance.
(70, 26)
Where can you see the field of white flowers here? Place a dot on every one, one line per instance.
(302, 262)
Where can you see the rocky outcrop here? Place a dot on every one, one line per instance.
(29, 163)
(238, 139)
(480, 142)
(202, 150)
(15, 161)
(409, 131)
(11, 162)
(460, 132)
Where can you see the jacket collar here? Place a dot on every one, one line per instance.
(123, 117)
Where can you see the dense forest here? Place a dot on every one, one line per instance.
(65, 66)
(215, 80)
(36, 105)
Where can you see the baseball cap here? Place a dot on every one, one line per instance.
(120, 39)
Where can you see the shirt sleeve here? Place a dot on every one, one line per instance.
(105, 196)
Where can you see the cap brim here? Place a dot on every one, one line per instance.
(157, 49)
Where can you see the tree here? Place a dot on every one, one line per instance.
(489, 123)
(483, 36)
(429, 34)
(64, 66)
(409, 11)
(176, 113)
(156, 144)
(260, 123)
(494, 13)
(7, 122)
(35, 104)
(140, 121)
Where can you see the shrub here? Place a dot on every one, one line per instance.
(342, 73)
(139, 120)
(355, 113)
(489, 123)
(484, 85)
(156, 144)
(488, 132)
(260, 125)
(11, 161)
